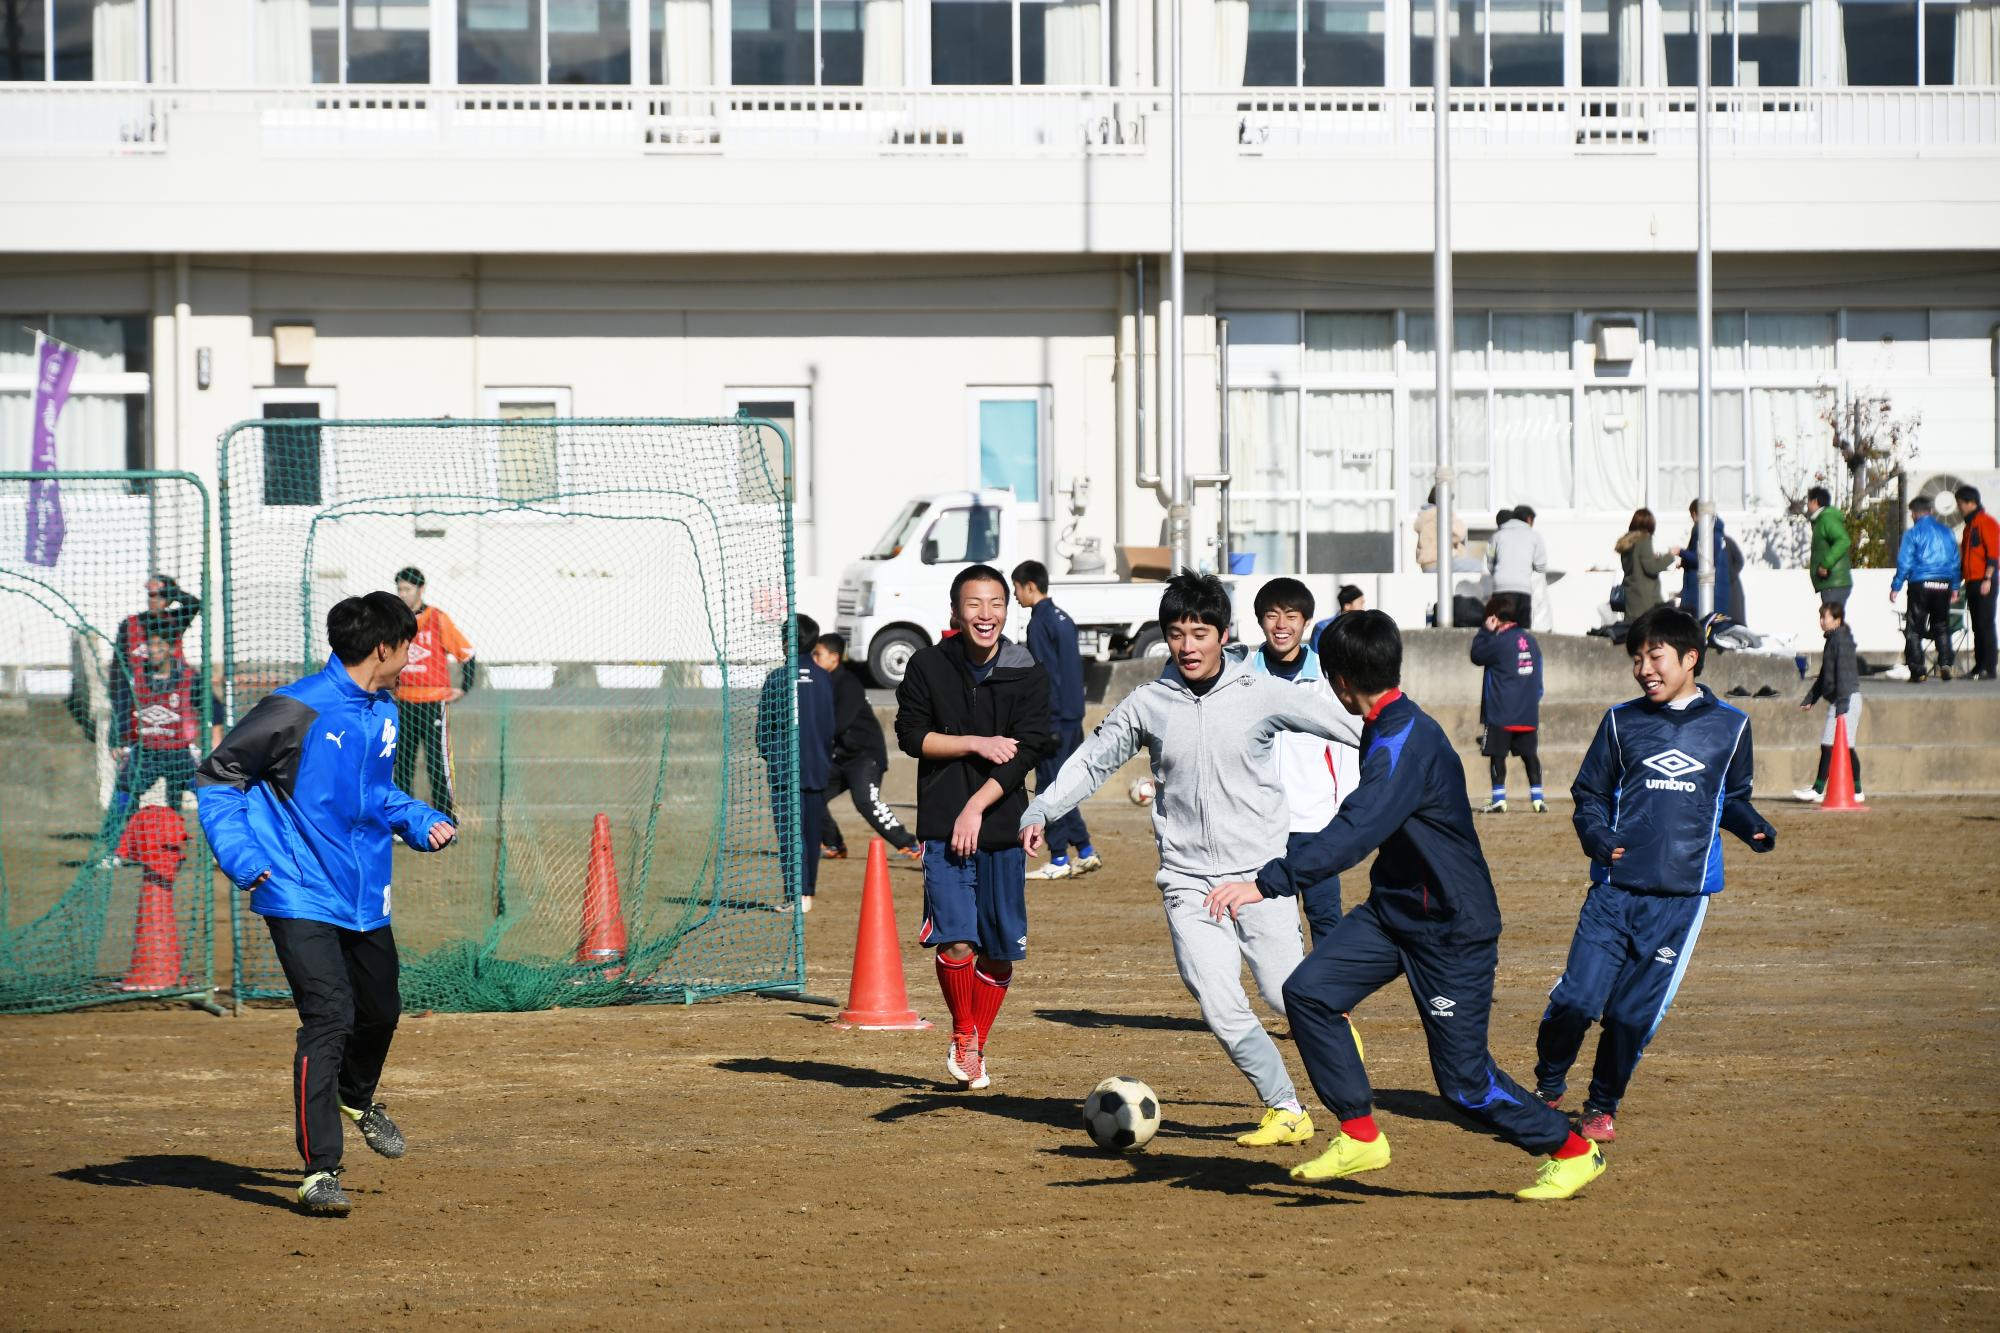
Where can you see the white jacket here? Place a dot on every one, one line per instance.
(1316, 774)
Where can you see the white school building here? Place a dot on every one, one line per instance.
(929, 237)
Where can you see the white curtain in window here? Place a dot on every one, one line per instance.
(1806, 48)
(1530, 342)
(1677, 443)
(1531, 448)
(1791, 341)
(1072, 44)
(1264, 434)
(1610, 449)
(1790, 415)
(1469, 452)
(90, 435)
(1350, 344)
(114, 41)
(1628, 23)
(1976, 58)
(1349, 441)
(1468, 342)
(284, 42)
(687, 47)
(882, 43)
(1232, 42)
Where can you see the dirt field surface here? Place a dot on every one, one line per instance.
(1811, 1141)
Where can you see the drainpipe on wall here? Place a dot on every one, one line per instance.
(182, 377)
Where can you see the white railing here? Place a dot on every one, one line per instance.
(1746, 121)
(82, 119)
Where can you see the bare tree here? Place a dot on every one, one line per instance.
(1875, 444)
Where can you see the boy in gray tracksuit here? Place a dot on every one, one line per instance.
(1210, 725)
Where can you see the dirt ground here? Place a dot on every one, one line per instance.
(1811, 1141)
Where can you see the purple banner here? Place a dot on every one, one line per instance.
(55, 366)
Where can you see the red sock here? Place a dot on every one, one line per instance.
(955, 980)
(1575, 1146)
(989, 992)
(1362, 1129)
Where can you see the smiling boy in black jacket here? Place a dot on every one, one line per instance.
(974, 712)
(1431, 916)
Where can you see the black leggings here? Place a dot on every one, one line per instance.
(861, 778)
(1499, 744)
(1826, 765)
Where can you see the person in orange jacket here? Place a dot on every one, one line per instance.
(1979, 554)
(423, 690)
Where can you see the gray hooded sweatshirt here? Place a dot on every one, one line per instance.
(1219, 810)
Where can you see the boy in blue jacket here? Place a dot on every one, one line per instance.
(1431, 916)
(1928, 560)
(1666, 773)
(298, 804)
(808, 714)
(1510, 699)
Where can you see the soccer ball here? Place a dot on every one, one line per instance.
(1121, 1115)
(1141, 791)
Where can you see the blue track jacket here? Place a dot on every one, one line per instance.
(809, 712)
(1512, 693)
(1052, 643)
(303, 787)
(1929, 554)
(1430, 878)
(1662, 783)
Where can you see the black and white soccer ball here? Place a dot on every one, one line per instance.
(1121, 1115)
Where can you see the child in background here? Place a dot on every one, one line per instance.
(810, 715)
(1052, 642)
(1510, 700)
(1314, 773)
(1665, 775)
(860, 758)
(1839, 683)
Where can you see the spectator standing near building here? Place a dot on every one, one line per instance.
(423, 691)
(1728, 597)
(1643, 565)
(1929, 562)
(1052, 643)
(1425, 525)
(1514, 556)
(1832, 550)
(1979, 552)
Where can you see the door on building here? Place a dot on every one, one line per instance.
(791, 411)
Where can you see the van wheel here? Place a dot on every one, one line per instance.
(1150, 643)
(889, 655)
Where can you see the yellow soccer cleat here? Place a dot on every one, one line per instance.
(1561, 1177)
(1347, 1157)
(1278, 1126)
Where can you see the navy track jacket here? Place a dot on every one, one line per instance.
(1431, 878)
(303, 788)
(1662, 783)
(1511, 696)
(1052, 643)
(809, 712)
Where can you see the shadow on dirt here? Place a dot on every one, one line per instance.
(1240, 1175)
(822, 1071)
(1410, 1104)
(245, 1184)
(1097, 1018)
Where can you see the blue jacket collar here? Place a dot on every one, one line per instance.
(344, 685)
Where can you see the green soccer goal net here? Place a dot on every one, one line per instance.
(105, 885)
(620, 755)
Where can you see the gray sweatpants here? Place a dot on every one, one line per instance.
(1211, 954)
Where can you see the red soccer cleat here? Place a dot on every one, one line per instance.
(1597, 1126)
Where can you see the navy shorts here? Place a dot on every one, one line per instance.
(980, 899)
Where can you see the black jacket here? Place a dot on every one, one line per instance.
(937, 694)
(856, 731)
(1839, 672)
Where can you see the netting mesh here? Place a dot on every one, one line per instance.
(105, 885)
(623, 589)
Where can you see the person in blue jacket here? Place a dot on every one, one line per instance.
(1052, 643)
(1431, 916)
(809, 714)
(1666, 773)
(1928, 561)
(299, 804)
(1728, 587)
(1510, 699)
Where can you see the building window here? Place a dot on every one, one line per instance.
(1010, 437)
(1063, 43)
(294, 455)
(104, 425)
(585, 42)
(102, 41)
(1770, 370)
(527, 458)
(1752, 43)
(343, 41)
(1317, 43)
(831, 42)
(1612, 43)
(791, 411)
(1897, 43)
(1493, 43)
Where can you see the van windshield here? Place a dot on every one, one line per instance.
(900, 532)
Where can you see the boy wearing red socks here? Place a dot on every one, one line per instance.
(973, 711)
(1431, 916)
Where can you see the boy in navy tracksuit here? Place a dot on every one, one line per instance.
(1052, 643)
(299, 803)
(810, 714)
(1510, 699)
(1431, 915)
(1666, 773)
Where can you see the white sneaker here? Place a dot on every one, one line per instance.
(1083, 865)
(1053, 870)
(1859, 799)
(1808, 795)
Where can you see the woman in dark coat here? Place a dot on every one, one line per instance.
(1642, 566)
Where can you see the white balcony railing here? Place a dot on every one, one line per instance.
(82, 119)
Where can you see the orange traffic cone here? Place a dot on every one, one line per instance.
(877, 1000)
(1840, 773)
(601, 941)
(155, 839)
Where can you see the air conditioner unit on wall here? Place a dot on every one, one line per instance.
(1617, 343)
